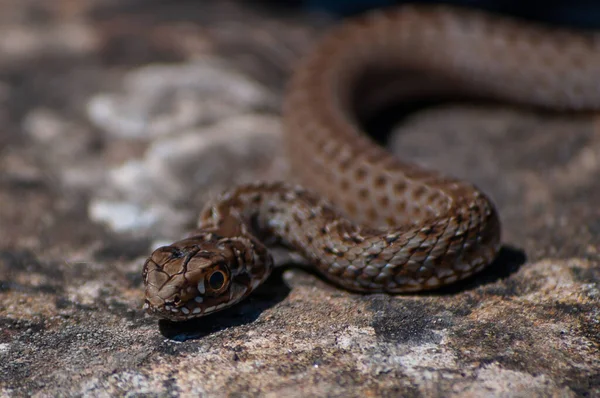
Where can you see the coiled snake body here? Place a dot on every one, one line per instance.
(367, 221)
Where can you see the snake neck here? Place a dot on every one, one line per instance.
(410, 257)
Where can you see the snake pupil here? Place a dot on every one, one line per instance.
(216, 280)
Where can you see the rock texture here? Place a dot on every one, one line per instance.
(120, 118)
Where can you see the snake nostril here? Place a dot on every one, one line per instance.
(176, 253)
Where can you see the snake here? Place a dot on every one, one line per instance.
(365, 220)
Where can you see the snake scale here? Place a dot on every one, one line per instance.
(367, 221)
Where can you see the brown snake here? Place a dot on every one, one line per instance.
(395, 227)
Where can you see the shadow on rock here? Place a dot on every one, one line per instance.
(508, 262)
(273, 291)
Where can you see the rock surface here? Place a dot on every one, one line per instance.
(119, 119)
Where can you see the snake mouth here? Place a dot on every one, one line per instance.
(183, 313)
(210, 290)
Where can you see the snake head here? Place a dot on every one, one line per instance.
(200, 275)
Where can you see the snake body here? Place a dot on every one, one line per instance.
(367, 221)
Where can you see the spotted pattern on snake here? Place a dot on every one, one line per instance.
(367, 221)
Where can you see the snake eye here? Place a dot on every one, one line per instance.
(216, 280)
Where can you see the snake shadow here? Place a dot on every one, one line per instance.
(508, 262)
(269, 294)
(275, 290)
